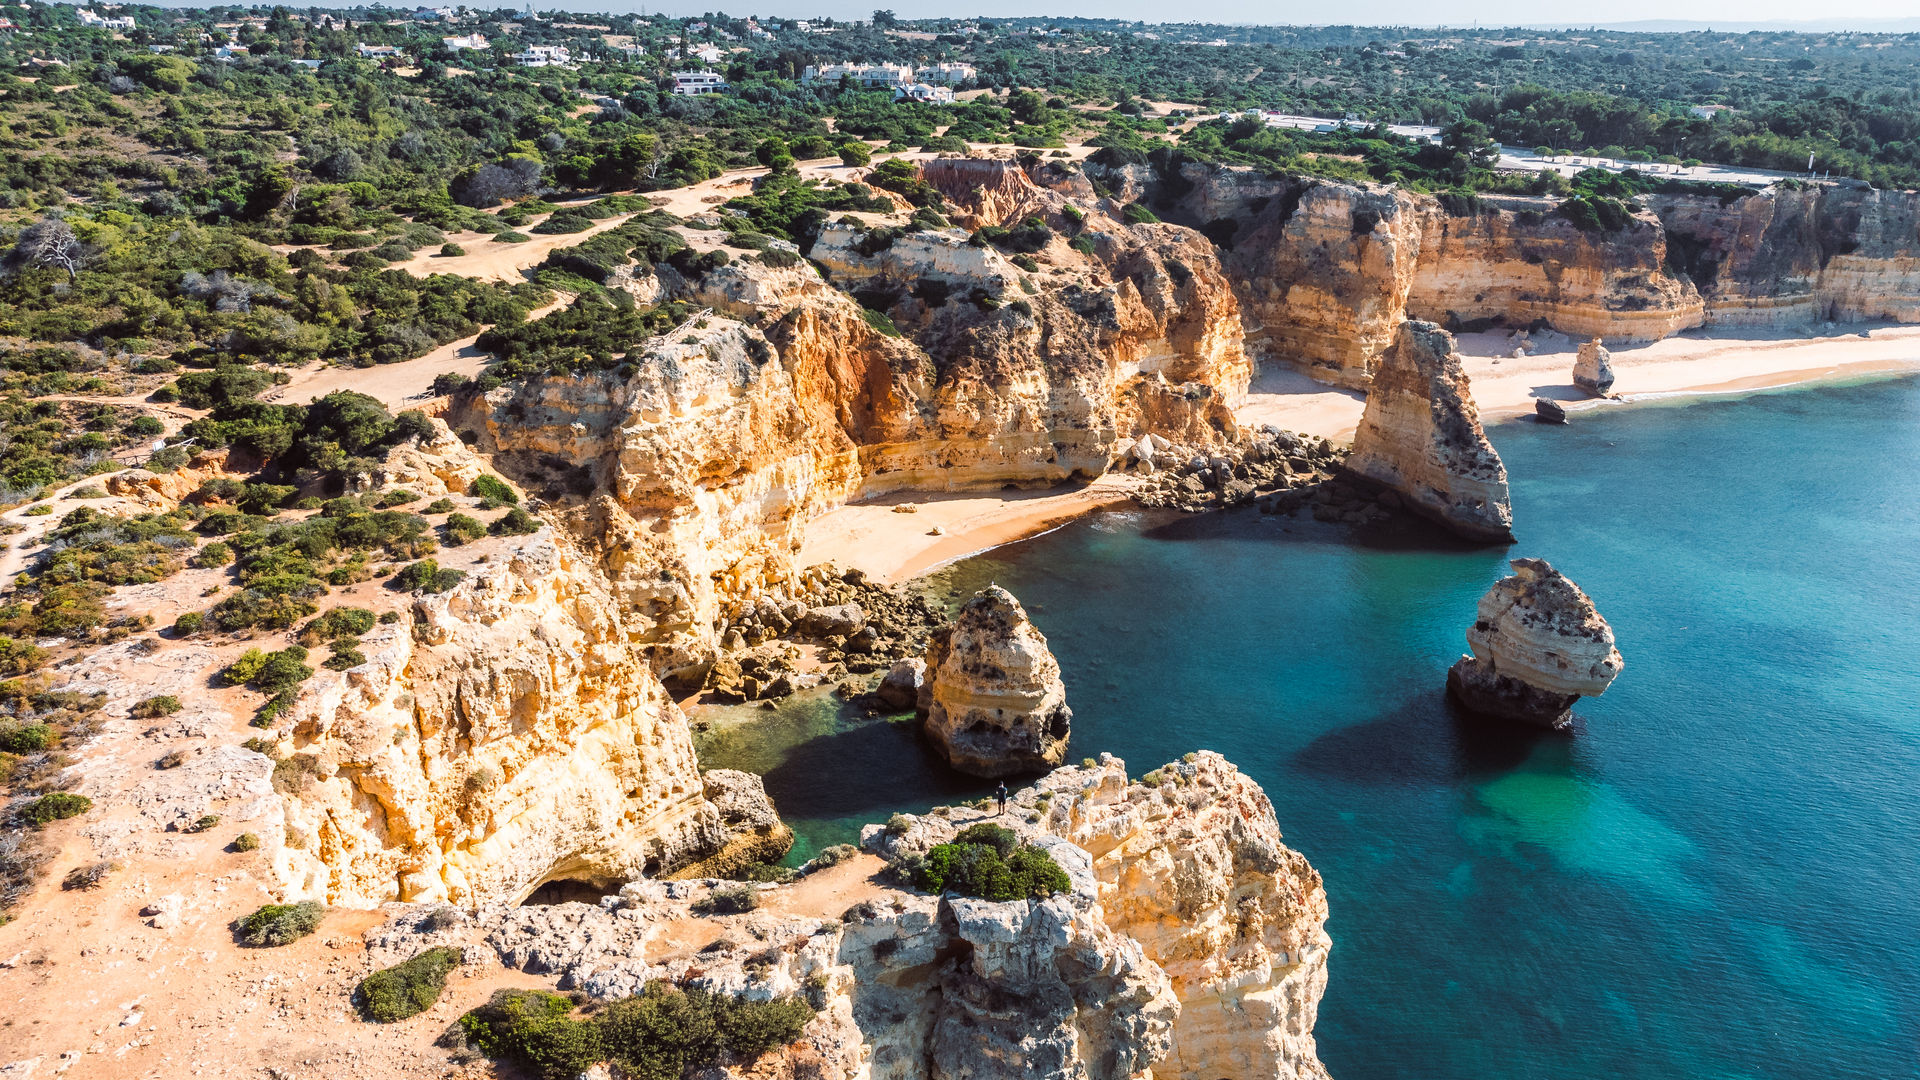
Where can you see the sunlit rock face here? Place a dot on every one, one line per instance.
(1539, 645)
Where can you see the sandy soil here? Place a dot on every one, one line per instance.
(893, 547)
(490, 260)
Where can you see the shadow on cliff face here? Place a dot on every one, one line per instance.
(1428, 740)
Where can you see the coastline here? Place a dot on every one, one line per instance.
(895, 547)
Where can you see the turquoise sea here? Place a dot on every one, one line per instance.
(1716, 876)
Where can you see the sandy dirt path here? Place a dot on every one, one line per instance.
(401, 385)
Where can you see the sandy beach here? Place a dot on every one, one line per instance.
(894, 547)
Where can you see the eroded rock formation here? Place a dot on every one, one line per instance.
(1191, 944)
(994, 702)
(1593, 369)
(1420, 435)
(1538, 645)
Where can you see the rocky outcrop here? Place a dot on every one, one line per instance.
(994, 702)
(1190, 943)
(1538, 646)
(1593, 369)
(1420, 435)
(1548, 411)
(500, 735)
(756, 835)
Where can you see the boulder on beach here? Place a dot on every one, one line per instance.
(1539, 645)
(1593, 370)
(1549, 412)
(994, 702)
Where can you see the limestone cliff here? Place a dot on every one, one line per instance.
(1538, 645)
(995, 705)
(499, 735)
(1420, 435)
(1191, 943)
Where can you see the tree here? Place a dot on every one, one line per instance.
(50, 242)
(883, 20)
(856, 154)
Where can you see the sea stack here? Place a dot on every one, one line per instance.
(1593, 370)
(1420, 435)
(1538, 646)
(994, 702)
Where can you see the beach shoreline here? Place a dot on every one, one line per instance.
(892, 547)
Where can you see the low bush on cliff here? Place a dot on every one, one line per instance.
(989, 862)
(408, 988)
(58, 806)
(427, 576)
(274, 925)
(660, 1033)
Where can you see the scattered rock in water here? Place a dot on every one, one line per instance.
(1548, 412)
(1420, 435)
(1539, 645)
(995, 705)
(1593, 370)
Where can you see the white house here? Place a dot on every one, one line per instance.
(88, 18)
(469, 41)
(543, 56)
(698, 83)
(376, 52)
(227, 54)
(1710, 112)
(871, 76)
(946, 74)
(939, 95)
(444, 14)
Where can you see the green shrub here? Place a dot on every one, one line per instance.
(346, 654)
(489, 486)
(660, 1033)
(17, 738)
(989, 862)
(1135, 214)
(337, 623)
(217, 554)
(407, 988)
(279, 924)
(155, 707)
(189, 624)
(462, 529)
(515, 522)
(438, 506)
(58, 806)
(246, 841)
(452, 250)
(833, 856)
(205, 822)
(427, 576)
(511, 237)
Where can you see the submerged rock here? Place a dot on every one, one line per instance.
(994, 702)
(1593, 371)
(1421, 436)
(1538, 646)
(1549, 412)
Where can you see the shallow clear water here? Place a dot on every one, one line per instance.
(1718, 875)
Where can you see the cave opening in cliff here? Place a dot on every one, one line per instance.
(569, 891)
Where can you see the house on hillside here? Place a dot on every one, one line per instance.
(870, 76)
(377, 52)
(227, 54)
(946, 74)
(1711, 112)
(698, 83)
(469, 41)
(927, 92)
(98, 22)
(534, 56)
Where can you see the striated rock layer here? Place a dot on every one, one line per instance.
(1420, 435)
(1538, 646)
(994, 702)
(1326, 271)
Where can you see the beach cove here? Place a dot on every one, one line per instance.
(1708, 879)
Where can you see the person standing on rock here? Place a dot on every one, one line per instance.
(1001, 794)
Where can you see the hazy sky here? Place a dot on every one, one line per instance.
(1353, 12)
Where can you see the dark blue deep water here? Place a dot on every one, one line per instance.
(1717, 875)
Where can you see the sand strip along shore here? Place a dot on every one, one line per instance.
(894, 547)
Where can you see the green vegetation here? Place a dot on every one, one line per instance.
(274, 925)
(989, 862)
(732, 900)
(58, 806)
(659, 1034)
(246, 841)
(407, 988)
(155, 707)
(427, 576)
